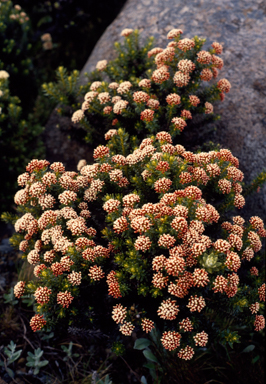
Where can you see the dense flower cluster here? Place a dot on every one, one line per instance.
(186, 353)
(42, 295)
(170, 67)
(19, 289)
(119, 313)
(173, 226)
(147, 325)
(126, 328)
(64, 298)
(201, 339)
(171, 340)
(37, 322)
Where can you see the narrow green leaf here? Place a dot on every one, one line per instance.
(141, 343)
(12, 346)
(16, 355)
(7, 352)
(10, 372)
(253, 361)
(38, 353)
(149, 355)
(149, 365)
(44, 20)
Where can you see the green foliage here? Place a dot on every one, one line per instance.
(9, 298)
(12, 356)
(118, 348)
(229, 337)
(132, 61)
(19, 142)
(256, 184)
(29, 300)
(68, 351)
(33, 361)
(249, 348)
(15, 34)
(47, 336)
(141, 344)
(8, 217)
(17, 58)
(66, 89)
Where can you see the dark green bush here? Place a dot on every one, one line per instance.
(20, 141)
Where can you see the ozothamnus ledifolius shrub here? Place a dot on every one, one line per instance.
(148, 88)
(135, 237)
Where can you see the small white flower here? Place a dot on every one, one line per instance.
(4, 74)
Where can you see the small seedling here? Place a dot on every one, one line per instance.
(34, 360)
(12, 356)
(68, 352)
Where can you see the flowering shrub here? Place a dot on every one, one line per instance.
(17, 57)
(149, 88)
(14, 39)
(166, 258)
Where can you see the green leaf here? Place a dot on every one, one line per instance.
(12, 346)
(44, 20)
(29, 300)
(8, 353)
(141, 343)
(43, 363)
(149, 355)
(10, 372)
(15, 356)
(36, 371)
(248, 349)
(47, 337)
(10, 297)
(149, 365)
(38, 353)
(107, 380)
(30, 364)
(256, 358)
(155, 335)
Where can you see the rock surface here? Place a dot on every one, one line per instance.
(240, 25)
(59, 146)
